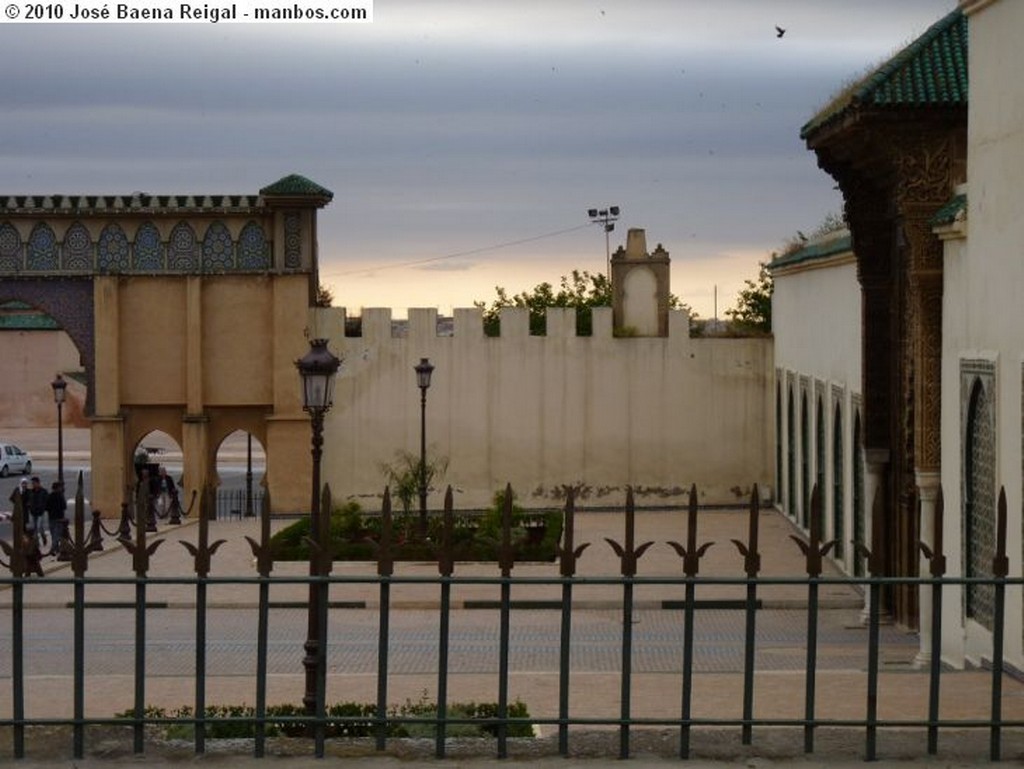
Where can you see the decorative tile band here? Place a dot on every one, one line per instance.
(144, 250)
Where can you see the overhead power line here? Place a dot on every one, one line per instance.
(458, 254)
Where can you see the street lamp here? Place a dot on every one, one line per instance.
(317, 368)
(59, 392)
(605, 216)
(423, 371)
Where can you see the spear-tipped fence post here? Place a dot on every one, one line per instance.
(751, 565)
(814, 552)
(628, 555)
(568, 555)
(937, 563)
(1000, 571)
(691, 555)
(385, 568)
(445, 568)
(264, 563)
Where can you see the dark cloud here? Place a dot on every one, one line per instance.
(447, 126)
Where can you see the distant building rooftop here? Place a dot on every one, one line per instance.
(289, 186)
(832, 244)
(18, 316)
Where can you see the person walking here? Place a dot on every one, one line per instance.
(20, 495)
(56, 514)
(37, 508)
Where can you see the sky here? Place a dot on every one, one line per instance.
(465, 141)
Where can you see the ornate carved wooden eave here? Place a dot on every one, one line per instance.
(896, 168)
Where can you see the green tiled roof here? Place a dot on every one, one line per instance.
(813, 251)
(27, 321)
(296, 185)
(949, 212)
(930, 72)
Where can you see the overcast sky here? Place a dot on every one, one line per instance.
(448, 129)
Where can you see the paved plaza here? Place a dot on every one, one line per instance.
(657, 626)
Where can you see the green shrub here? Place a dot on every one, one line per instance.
(354, 536)
(354, 720)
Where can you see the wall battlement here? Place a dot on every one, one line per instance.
(377, 323)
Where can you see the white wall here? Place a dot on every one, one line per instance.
(539, 412)
(816, 319)
(984, 276)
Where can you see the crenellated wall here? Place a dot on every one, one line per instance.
(659, 413)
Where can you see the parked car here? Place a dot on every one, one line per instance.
(14, 460)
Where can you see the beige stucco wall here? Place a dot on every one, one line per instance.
(981, 318)
(816, 320)
(539, 412)
(31, 360)
(198, 357)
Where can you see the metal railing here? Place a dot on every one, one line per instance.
(22, 560)
(238, 503)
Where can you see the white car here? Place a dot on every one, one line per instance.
(14, 460)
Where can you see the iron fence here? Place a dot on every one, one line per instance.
(237, 503)
(22, 559)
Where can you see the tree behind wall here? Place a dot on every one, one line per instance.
(753, 310)
(581, 290)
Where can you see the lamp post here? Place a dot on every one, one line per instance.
(607, 217)
(317, 368)
(59, 391)
(423, 371)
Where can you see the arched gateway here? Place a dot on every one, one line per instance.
(188, 312)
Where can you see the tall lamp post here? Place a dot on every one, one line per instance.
(317, 368)
(59, 391)
(607, 217)
(423, 371)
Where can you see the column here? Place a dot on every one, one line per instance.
(194, 445)
(107, 430)
(928, 484)
(877, 465)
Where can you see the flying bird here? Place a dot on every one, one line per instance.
(779, 31)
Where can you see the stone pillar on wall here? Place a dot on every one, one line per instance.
(196, 453)
(640, 288)
(107, 433)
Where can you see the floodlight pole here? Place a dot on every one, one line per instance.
(607, 217)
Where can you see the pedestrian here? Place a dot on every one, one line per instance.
(56, 513)
(20, 496)
(37, 508)
(165, 492)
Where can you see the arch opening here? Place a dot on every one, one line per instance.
(157, 470)
(240, 475)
